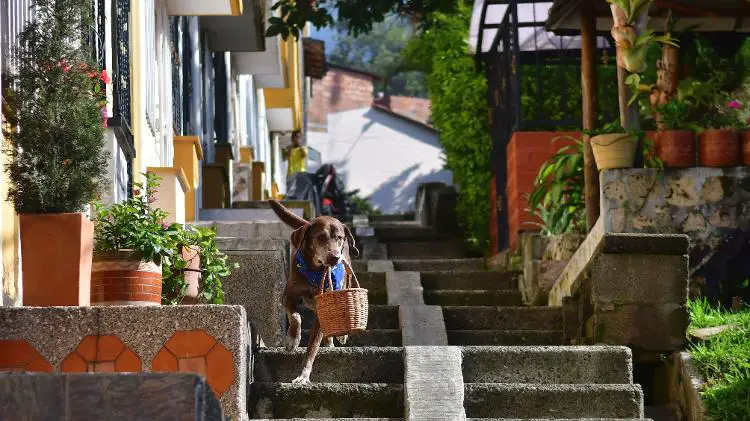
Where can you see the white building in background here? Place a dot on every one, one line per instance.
(382, 147)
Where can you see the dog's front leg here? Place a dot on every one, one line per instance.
(316, 336)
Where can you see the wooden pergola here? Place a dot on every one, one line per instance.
(590, 18)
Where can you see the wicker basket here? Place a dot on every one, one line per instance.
(342, 312)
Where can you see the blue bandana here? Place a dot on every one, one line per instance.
(338, 273)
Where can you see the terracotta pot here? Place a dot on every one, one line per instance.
(616, 150)
(719, 148)
(124, 278)
(676, 148)
(746, 148)
(56, 252)
(192, 274)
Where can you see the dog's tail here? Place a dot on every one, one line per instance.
(286, 215)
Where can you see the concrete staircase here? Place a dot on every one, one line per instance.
(497, 363)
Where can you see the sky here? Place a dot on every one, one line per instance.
(325, 34)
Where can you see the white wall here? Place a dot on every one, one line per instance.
(382, 155)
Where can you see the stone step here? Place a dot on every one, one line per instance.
(370, 337)
(502, 318)
(334, 419)
(505, 337)
(558, 419)
(374, 282)
(556, 401)
(332, 365)
(423, 265)
(438, 249)
(547, 364)
(404, 232)
(379, 317)
(359, 266)
(337, 400)
(406, 217)
(468, 280)
(472, 297)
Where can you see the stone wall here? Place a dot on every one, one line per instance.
(710, 205)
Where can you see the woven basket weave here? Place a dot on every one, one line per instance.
(342, 312)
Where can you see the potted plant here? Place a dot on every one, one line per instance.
(613, 146)
(719, 143)
(674, 142)
(195, 274)
(56, 159)
(132, 243)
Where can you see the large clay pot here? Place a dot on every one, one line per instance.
(719, 148)
(124, 278)
(676, 148)
(746, 148)
(616, 150)
(56, 252)
(192, 275)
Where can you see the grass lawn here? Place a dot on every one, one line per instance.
(723, 361)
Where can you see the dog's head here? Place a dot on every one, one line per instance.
(323, 240)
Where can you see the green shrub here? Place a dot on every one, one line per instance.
(56, 97)
(723, 361)
(459, 113)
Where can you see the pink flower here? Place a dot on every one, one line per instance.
(104, 77)
(64, 65)
(734, 104)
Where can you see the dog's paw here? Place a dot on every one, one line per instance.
(291, 342)
(342, 339)
(328, 342)
(302, 379)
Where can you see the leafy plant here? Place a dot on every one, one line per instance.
(213, 267)
(360, 204)
(135, 225)
(558, 197)
(459, 113)
(56, 123)
(675, 114)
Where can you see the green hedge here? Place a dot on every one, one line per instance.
(460, 115)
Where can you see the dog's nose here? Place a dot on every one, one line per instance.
(332, 259)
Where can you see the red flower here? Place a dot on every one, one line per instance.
(92, 75)
(104, 77)
(734, 104)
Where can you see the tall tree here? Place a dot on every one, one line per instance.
(380, 51)
(358, 16)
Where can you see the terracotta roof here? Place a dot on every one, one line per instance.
(352, 70)
(413, 108)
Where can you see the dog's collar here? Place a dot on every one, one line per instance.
(338, 272)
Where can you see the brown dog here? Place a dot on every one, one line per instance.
(321, 243)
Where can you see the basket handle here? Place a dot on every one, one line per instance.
(326, 277)
(351, 274)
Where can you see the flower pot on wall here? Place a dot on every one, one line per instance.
(676, 148)
(56, 252)
(191, 255)
(615, 150)
(719, 148)
(124, 278)
(746, 147)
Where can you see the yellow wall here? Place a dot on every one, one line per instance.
(8, 240)
(290, 97)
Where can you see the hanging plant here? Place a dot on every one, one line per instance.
(632, 37)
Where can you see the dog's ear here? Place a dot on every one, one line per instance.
(298, 236)
(352, 243)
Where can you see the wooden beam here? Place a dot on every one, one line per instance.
(589, 91)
